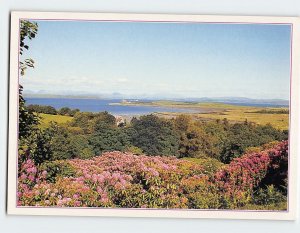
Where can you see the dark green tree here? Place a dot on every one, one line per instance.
(41, 109)
(154, 135)
(65, 111)
(27, 121)
(89, 121)
(244, 135)
(107, 138)
(58, 143)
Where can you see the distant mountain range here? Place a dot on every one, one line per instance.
(229, 100)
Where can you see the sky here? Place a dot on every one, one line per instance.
(161, 60)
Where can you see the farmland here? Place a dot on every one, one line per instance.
(47, 118)
(277, 117)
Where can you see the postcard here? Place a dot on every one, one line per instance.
(153, 115)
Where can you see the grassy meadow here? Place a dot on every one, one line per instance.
(277, 117)
(45, 119)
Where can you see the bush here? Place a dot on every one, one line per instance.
(57, 143)
(201, 193)
(92, 122)
(109, 139)
(277, 173)
(242, 176)
(65, 111)
(242, 136)
(36, 146)
(155, 136)
(41, 109)
(268, 196)
(58, 168)
(117, 179)
(210, 165)
(134, 150)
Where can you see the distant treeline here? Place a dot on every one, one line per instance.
(272, 111)
(90, 134)
(65, 111)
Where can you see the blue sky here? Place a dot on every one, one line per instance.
(167, 60)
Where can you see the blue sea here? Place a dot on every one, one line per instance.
(100, 105)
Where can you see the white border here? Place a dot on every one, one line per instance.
(225, 214)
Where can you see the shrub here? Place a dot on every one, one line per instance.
(56, 143)
(109, 139)
(277, 173)
(239, 178)
(65, 111)
(201, 193)
(58, 168)
(117, 179)
(242, 136)
(92, 122)
(268, 196)
(134, 150)
(41, 109)
(210, 165)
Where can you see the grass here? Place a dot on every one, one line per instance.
(279, 121)
(277, 117)
(47, 118)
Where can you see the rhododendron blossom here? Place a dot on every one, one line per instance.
(117, 179)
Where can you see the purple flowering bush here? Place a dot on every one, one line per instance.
(117, 179)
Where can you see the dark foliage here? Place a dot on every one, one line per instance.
(154, 135)
(242, 136)
(41, 109)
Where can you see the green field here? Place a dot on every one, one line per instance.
(279, 121)
(277, 117)
(47, 118)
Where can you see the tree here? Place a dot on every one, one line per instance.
(197, 138)
(74, 111)
(80, 147)
(89, 121)
(155, 136)
(65, 111)
(27, 121)
(59, 143)
(195, 142)
(41, 109)
(182, 122)
(244, 135)
(107, 138)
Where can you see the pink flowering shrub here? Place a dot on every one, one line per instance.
(277, 173)
(28, 179)
(117, 179)
(114, 179)
(237, 180)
